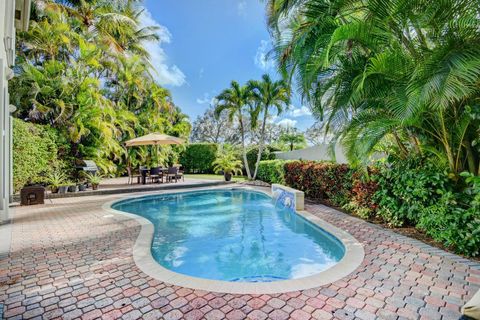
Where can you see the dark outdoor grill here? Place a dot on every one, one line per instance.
(87, 166)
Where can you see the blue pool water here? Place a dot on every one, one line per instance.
(233, 235)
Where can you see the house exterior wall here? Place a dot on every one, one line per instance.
(315, 153)
(8, 10)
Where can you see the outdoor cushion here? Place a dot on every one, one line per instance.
(472, 307)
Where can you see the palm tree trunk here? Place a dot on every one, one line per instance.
(262, 142)
(244, 150)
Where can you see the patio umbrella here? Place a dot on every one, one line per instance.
(154, 139)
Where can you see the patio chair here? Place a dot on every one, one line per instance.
(132, 175)
(179, 172)
(172, 173)
(156, 174)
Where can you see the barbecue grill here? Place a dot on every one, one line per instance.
(87, 166)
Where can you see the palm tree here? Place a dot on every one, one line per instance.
(292, 138)
(236, 100)
(267, 94)
(381, 71)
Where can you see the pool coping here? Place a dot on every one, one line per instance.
(353, 257)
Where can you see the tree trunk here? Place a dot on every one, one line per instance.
(244, 150)
(262, 142)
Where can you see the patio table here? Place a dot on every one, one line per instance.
(144, 172)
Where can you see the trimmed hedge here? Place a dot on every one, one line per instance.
(272, 171)
(199, 157)
(406, 192)
(325, 181)
(34, 151)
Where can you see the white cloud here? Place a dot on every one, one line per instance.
(206, 99)
(287, 123)
(242, 7)
(165, 74)
(261, 59)
(300, 112)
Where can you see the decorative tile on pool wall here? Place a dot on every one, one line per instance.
(288, 197)
(70, 259)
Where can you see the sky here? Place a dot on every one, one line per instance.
(205, 44)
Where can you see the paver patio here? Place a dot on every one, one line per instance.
(70, 259)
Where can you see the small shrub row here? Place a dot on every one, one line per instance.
(407, 192)
(326, 181)
(272, 171)
(199, 157)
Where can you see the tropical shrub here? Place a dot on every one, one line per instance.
(272, 171)
(401, 192)
(326, 181)
(34, 151)
(407, 187)
(199, 157)
(454, 218)
(364, 188)
(267, 154)
(227, 161)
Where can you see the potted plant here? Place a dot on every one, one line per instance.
(73, 187)
(55, 179)
(94, 180)
(82, 186)
(63, 188)
(228, 163)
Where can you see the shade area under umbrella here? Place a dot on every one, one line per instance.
(154, 139)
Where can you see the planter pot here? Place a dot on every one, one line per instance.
(82, 187)
(94, 186)
(54, 189)
(228, 176)
(62, 189)
(72, 188)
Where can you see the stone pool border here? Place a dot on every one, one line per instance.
(354, 255)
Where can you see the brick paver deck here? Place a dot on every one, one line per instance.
(70, 259)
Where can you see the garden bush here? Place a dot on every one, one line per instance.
(454, 218)
(267, 154)
(401, 192)
(272, 171)
(364, 188)
(199, 157)
(34, 152)
(406, 187)
(326, 181)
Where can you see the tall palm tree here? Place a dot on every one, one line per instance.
(237, 100)
(267, 94)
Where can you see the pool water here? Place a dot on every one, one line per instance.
(234, 235)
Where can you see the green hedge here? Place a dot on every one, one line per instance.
(406, 192)
(198, 157)
(34, 151)
(272, 171)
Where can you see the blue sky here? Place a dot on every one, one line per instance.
(207, 43)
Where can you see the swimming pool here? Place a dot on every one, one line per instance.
(233, 235)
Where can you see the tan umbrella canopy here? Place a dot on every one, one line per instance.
(154, 139)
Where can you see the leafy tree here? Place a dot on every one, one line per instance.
(83, 70)
(212, 129)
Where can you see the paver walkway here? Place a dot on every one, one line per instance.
(71, 259)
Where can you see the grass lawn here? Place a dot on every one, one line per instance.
(213, 177)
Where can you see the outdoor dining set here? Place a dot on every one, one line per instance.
(155, 175)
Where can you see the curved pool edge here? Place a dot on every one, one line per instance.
(353, 257)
